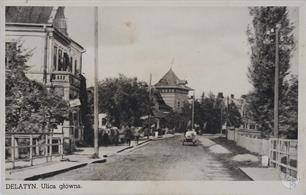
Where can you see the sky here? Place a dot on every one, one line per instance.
(207, 46)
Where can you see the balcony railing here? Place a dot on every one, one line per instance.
(65, 77)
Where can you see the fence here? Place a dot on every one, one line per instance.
(29, 146)
(254, 144)
(250, 140)
(283, 155)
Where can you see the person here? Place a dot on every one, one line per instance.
(106, 137)
(137, 135)
(128, 135)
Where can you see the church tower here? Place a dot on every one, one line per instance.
(173, 90)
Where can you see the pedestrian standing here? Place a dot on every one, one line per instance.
(137, 135)
(128, 135)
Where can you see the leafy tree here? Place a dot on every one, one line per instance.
(30, 107)
(261, 71)
(233, 115)
(289, 118)
(86, 111)
(124, 100)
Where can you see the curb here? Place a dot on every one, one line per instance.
(98, 161)
(130, 147)
(49, 174)
(251, 179)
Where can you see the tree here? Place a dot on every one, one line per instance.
(30, 107)
(86, 111)
(261, 71)
(289, 117)
(233, 115)
(124, 100)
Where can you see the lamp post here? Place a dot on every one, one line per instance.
(276, 82)
(276, 79)
(192, 113)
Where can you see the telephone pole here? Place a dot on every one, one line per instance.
(96, 112)
(149, 115)
(192, 114)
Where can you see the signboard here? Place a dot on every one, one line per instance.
(74, 102)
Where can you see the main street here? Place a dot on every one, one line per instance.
(165, 159)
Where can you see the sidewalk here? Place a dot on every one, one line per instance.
(81, 157)
(262, 174)
(254, 170)
(212, 146)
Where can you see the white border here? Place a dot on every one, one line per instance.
(173, 187)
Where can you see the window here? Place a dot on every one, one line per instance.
(66, 62)
(60, 60)
(75, 67)
(9, 46)
(104, 121)
(178, 104)
(54, 58)
(70, 64)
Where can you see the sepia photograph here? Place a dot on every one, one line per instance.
(151, 93)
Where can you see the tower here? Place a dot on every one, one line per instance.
(173, 90)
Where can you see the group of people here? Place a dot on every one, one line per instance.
(112, 135)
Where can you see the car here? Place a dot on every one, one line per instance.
(190, 137)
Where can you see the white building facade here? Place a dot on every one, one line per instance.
(56, 59)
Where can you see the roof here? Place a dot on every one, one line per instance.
(160, 101)
(171, 80)
(26, 14)
(39, 15)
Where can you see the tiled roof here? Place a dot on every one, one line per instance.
(38, 15)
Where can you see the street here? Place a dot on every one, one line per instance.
(165, 159)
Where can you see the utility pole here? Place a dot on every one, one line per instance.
(192, 114)
(276, 82)
(96, 112)
(149, 115)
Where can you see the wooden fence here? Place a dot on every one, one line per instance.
(29, 146)
(283, 155)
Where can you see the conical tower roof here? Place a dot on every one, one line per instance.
(169, 79)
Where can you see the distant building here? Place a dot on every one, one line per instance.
(173, 90)
(160, 109)
(56, 59)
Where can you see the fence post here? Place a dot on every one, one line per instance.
(46, 147)
(278, 153)
(31, 149)
(50, 146)
(37, 147)
(13, 150)
(288, 171)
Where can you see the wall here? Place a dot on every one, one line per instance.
(34, 42)
(257, 145)
(249, 140)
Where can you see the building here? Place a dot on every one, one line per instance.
(56, 59)
(173, 90)
(160, 109)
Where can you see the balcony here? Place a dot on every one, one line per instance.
(63, 77)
